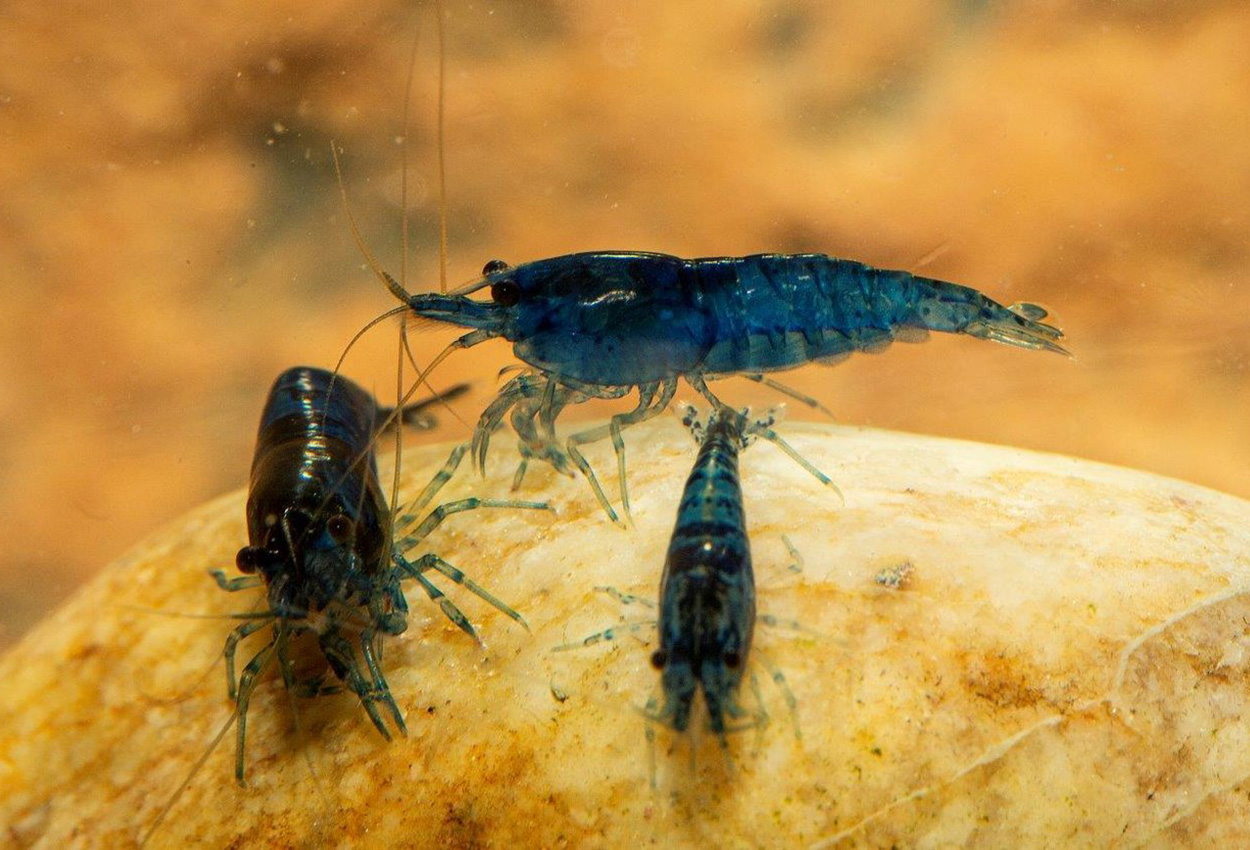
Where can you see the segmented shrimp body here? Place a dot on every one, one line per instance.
(319, 533)
(599, 324)
(321, 542)
(706, 610)
(707, 591)
(318, 523)
(629, 318)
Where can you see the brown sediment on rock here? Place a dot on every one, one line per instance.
(173, 232)
(1081, 679)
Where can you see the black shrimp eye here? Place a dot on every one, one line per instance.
(494, 267)
(248, 559)
(658, 659)
(505, 293)
(340, 527)
(732, 660)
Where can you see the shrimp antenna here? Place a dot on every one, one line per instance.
(195, 769)
(338, 365)
(403, 265)
(403, 158)
(374, 322)
(442, 149)
(212, 747)
(186, 615)
(399, 434)
(423, 374)
(393, 285)
(396, 415)
(404, 240)
(443, 397)
(397, 288)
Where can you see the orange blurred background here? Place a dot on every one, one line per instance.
(171, 235)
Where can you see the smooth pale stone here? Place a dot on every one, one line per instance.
(1063, 661)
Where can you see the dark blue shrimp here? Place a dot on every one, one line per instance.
(707, 591)
(320, 540)
(599, 324)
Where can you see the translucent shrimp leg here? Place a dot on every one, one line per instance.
(649, 405)
(611, 633)
(338, 651)
(430, 561)
(380, 689)
(761, 429)
(791, 392)
(247, 684)
(231, 648)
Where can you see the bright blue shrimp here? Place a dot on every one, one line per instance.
(600, 324)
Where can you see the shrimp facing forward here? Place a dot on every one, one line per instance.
(706, 611)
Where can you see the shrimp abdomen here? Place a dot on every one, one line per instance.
(777, 311)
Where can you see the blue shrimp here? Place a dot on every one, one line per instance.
(707, 610)
(707, 590)
(320, 540)
(600, 324)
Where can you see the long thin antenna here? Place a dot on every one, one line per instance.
(393, 285)
(403, 264)
(399, 431)
(195, 768)
(370, 260)
(442, 150)
(403, 159)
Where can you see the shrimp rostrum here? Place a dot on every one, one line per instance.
(600, 324)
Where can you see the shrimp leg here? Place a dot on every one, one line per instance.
(761, 429)
(247, 684)
(431, 561)
(449, 609)
(339, 653)
(379, 681)
(611, 633)
(649, 405)
(789, 391)
(534, 423)
(232, 645)
(431, 490)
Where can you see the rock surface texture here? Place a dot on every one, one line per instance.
(995, 648)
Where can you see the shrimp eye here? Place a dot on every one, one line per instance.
(732, 660)
(248, 559)
(658, 659)
(494, 267)
(340, 527)
(505, 293)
